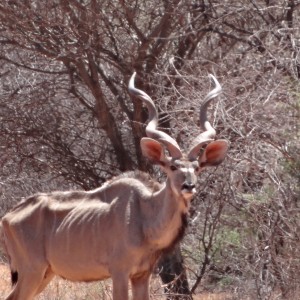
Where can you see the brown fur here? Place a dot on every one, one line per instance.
(62, 228)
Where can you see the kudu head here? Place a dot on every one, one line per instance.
(181, 168)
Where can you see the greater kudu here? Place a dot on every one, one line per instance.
(118, 230)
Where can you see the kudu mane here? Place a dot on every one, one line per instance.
(146, 179)
(143, 178)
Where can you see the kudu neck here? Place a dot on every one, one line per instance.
(168, 199)
(163, 218)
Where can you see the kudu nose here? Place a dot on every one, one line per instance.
(188, 186)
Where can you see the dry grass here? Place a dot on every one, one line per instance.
(60, 289)
(213, 296)
(4, 280)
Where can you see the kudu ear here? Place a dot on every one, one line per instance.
(214, 153)
(153, 150)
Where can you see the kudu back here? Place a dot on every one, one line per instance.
(118, 230)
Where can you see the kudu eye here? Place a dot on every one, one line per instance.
(173, 168)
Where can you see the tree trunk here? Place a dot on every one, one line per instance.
(173, 275)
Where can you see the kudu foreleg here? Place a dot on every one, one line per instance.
(120, 286)
(28, 284)
(140, 287)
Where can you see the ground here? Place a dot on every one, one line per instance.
(60, 289)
